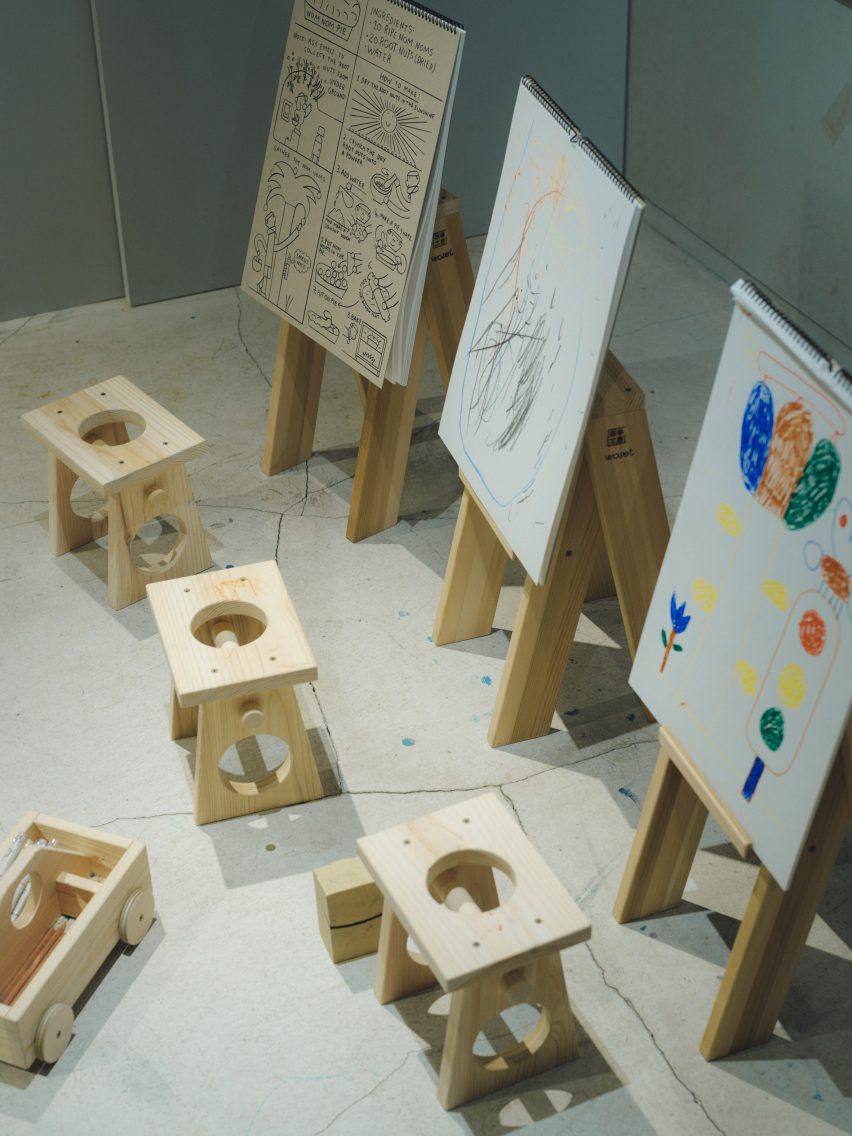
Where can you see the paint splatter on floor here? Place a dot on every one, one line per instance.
(626, 791)
(487, 680)
(403, 614)
(408, 741)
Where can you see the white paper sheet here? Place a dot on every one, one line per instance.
(533, 345)
(746, 653)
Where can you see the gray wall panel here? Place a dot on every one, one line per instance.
(59, 243)
(189, 90)
(740, 128)
(576, 50)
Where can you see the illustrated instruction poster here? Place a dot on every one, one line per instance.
(358, 113)
(746, 652)
(533, 344)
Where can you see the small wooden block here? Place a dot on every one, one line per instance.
(349, 909)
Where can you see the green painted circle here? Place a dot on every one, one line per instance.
(772, 728)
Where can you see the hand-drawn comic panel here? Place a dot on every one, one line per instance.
(285, 235)
(389, 124)
(338, 18)
(312, 97)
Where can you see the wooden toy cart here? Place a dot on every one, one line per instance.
(85, 895)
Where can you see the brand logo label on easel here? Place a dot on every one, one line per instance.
(617, 436)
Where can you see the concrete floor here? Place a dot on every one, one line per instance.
(230, 1017)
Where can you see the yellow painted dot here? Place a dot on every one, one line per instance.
(792, 686)
(704, 594)
(728, 520)
(746, 676)
(775, 591)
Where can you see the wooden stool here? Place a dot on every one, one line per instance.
(236, 649)
(437, 877)
(142, 480)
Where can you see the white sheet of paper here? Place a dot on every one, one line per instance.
(747, 648)
(533, 344)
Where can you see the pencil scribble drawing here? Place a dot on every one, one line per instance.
(544, 301)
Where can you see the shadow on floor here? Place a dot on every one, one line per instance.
(533, 1101)
(108, 986)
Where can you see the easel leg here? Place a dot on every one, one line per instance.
(383, 450)
(397, 973)
(473, 578)
(448, 288)
(296, 383)
(544, 629)
(361, 385)
(774, 930)
(664, 846)
(632, 512)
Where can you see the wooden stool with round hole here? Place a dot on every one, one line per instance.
(437, 878)
(236, 649)
(143, 479)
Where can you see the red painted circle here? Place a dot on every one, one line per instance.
(812, 632)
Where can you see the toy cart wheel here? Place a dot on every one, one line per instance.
(137, 915)
(54, 1032)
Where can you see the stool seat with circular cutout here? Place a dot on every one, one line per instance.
(64, 425)
(144, 479)
(489, 951)
(187, 610)
(236, 649)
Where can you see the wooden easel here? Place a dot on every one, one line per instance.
(389, 409)
(614, 521)
(776, 923)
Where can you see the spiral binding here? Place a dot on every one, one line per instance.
(586, 145)
(428, 14)
(538, 92)
(803, 341)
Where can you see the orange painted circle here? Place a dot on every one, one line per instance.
(812, 632)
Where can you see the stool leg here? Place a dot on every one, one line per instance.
(125, 585)
(220, 726)
(184, 719)
(67, 530)
(397, 973)
(553, 1041)
(194, 556)
(129, 510)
